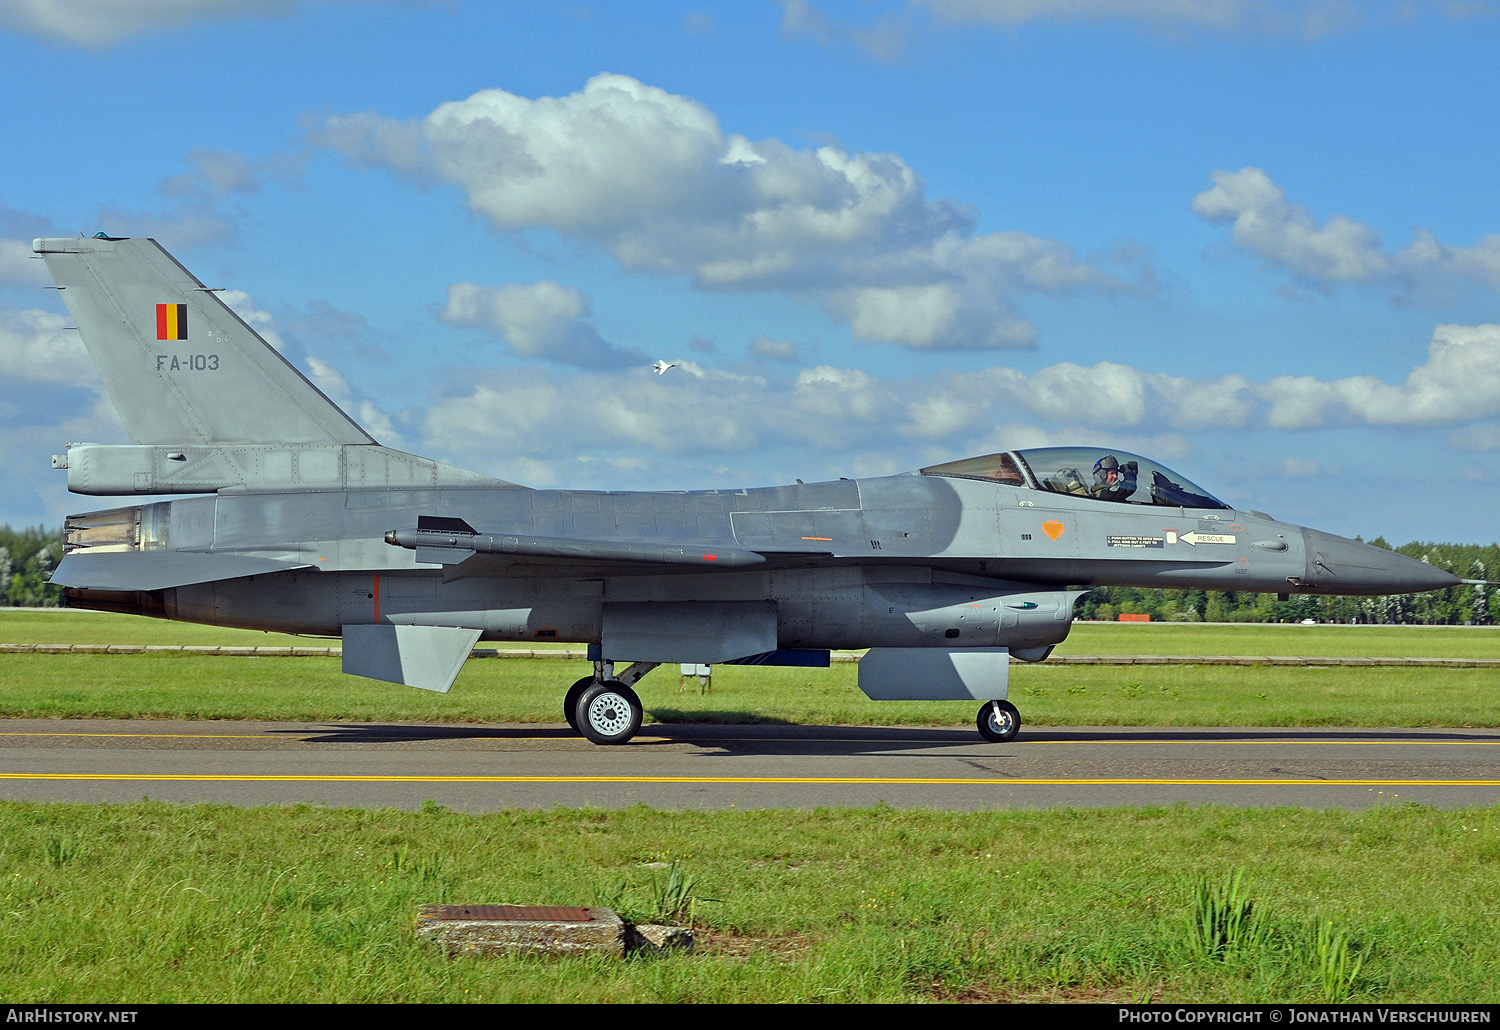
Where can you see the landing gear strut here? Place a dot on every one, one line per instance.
(603, 707)
(999, 721)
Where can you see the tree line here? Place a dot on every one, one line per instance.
(1456, 606)
(28, 556)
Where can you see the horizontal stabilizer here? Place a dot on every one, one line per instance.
(428, 657)
(452, 545)
(158, 570)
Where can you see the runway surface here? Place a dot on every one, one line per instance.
(482, 768)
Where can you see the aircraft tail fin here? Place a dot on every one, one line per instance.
(179, 365)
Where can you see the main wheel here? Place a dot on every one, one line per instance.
(999, 721)
(609, 713)
(570, 701)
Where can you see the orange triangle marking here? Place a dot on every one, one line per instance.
(1053, 527)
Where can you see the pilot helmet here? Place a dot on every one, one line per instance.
(1105, 465)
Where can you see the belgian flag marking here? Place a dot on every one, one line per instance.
(171, 321)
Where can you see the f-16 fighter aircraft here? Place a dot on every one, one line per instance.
(305, 524)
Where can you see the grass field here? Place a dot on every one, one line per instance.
(523, 690)
(157, 903)
(32, 626)
(152, 902)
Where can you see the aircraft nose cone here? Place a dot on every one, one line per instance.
(1342, 566)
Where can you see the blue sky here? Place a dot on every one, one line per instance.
(1256, 240)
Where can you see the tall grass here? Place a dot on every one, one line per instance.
(1338, 964)
(1224, 920)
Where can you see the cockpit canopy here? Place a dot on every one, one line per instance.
(1094, 472)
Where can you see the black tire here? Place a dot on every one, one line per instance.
(570, 701)
(999, 721)
(609, 713)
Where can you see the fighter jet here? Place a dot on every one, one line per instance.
(302, 523)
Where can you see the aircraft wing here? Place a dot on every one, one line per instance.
(158, 570)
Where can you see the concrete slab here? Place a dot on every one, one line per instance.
(542, 929)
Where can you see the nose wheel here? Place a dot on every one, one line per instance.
(999, 721)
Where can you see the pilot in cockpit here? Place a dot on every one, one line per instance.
(1113, 481)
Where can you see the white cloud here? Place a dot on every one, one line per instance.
(529, 414)
(99, 23)
(378, 424)
(844, 416)
(195, 223)
(1340, 249)
(767, 349)
(889, 34)
(917, 316)
(945, 416)
(96, 23)
(887, 38)
(1479, 263)
(36, 346)
(1286, 234)
(1106, 393)
(1485, 437)
(1459, 382)
(323, 373)
(652, 177)
(216, 173)
(1299, 17)
(18, 266)
(1304, 468)
(241, 304)
(543, 320)
(329, 379)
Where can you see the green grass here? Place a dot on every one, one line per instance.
(530, 691)
(525, 690)
(1302, 641)
(159, 903)
(60, 626)
(83, 627)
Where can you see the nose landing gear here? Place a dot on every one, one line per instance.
(999, 721)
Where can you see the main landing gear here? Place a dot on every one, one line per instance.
(999, 721)
(603, 707)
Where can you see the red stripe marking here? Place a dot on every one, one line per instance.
(161, 321)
